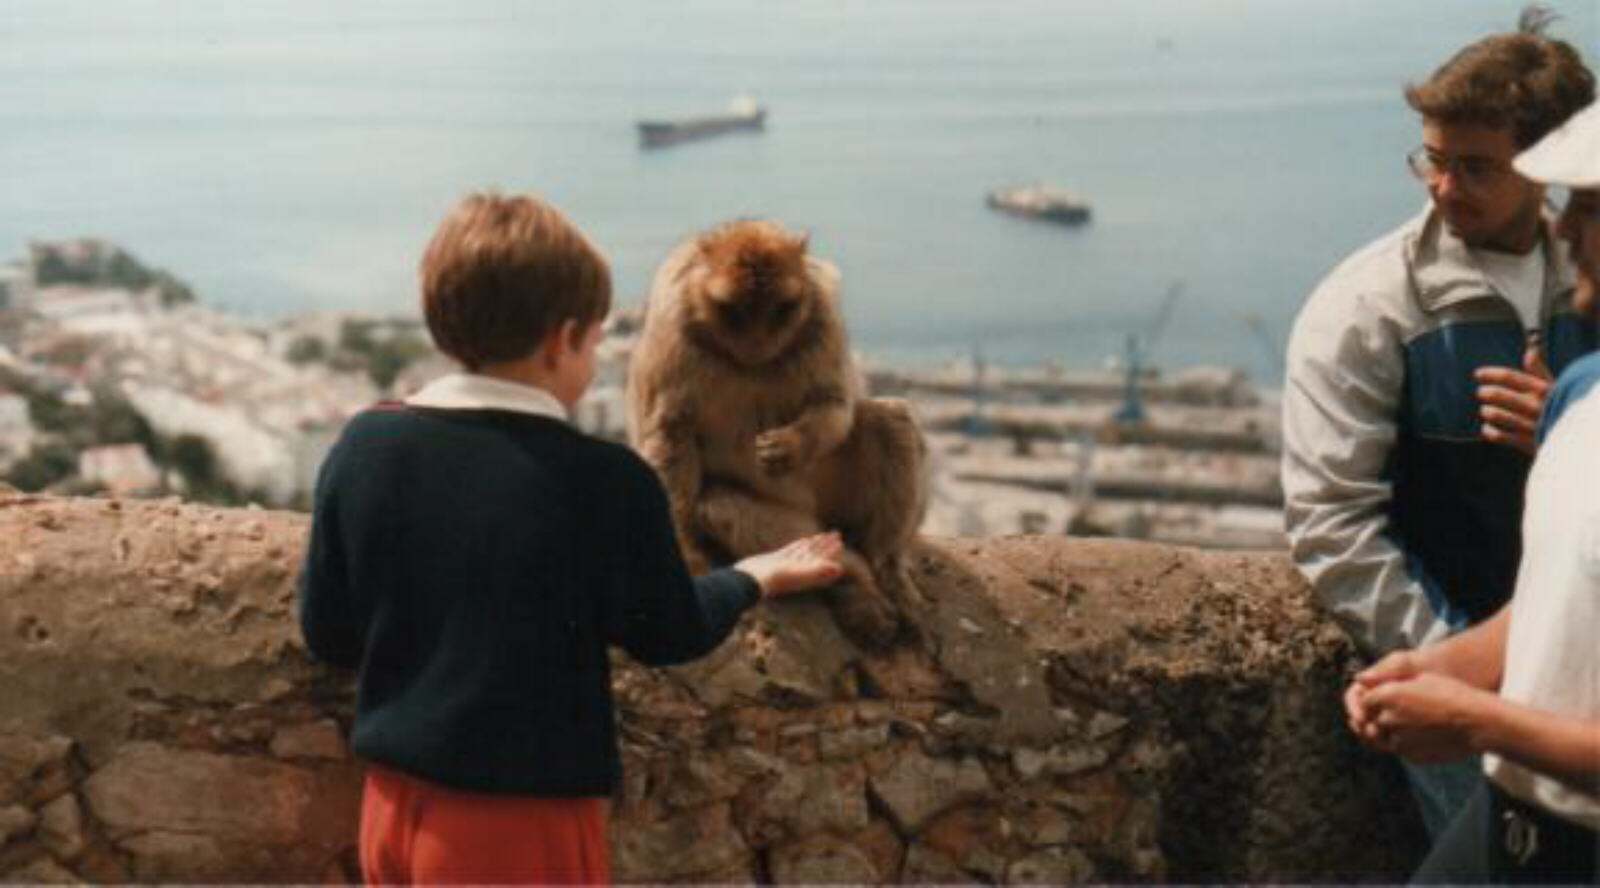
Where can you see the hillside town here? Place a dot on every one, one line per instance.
(116, 378)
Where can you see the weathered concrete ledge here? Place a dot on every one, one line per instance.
(1075, 711)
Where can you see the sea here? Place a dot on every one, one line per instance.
(295, 155)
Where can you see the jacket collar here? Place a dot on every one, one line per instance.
(470, 391)
(1445, 271)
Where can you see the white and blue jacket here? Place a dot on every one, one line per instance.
(1403, 518)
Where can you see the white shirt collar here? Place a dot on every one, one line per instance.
(469, 391)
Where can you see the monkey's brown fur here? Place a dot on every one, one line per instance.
(743, 396)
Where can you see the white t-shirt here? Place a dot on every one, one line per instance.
(1520, 278)
(1553, 653)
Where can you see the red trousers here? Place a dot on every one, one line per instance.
(416, 832)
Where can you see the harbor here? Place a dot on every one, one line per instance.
(1124, 450)
(1188, 458)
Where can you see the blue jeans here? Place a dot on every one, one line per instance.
(1500, 840)
(1443, 790)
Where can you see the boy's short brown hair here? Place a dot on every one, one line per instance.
(502, 273)
(1523, 81)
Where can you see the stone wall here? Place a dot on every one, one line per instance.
(1074, 711)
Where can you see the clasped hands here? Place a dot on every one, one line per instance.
(1398, 707)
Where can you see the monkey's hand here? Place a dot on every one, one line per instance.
(780, 450)
(694, 555)
(695, 560)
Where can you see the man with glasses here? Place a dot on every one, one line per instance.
(1417, 372)
(1523, 687)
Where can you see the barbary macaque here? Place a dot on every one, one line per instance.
(744, 396)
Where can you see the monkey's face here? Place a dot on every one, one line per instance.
(750, 296)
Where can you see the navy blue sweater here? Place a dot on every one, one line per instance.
(474, 566)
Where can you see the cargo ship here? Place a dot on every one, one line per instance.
(743, 114)
(1040, 202)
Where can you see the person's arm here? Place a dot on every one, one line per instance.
(326, 623)
(1575, 382)
(801, 566)
(1562, 747)
(1433, 718)
(1475, 657)
(661, 615)
(1340, 405)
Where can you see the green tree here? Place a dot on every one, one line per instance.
(306, 349)
(356, 336)
(112, 420)
(387, 359)
(194, 459)
(48, 412)
(173, 291)
(45, 464)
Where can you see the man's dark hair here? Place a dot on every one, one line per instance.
(1523, 81)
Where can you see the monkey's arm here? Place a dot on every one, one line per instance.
(827, 410)
(666, 440)
(824, 422)
(651, 605)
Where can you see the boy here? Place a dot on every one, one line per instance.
(472, 556)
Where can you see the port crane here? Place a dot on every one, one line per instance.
(1271, 348)
(1136, 350)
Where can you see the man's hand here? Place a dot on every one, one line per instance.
(1398, 666)
(1512, 400)
(1428, 718)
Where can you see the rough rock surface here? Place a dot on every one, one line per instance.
(1073, 711)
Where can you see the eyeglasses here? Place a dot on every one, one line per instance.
(1476, 173)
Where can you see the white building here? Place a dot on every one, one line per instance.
(252, 456)
(15, 283)
(121, 468)
(603, 412)
(87, 309)
(16, 428)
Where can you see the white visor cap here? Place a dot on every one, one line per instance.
(1569, 155)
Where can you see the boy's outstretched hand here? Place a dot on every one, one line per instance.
(806, 563)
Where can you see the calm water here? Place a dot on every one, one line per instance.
(286, 156)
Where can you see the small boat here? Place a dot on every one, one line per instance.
(743, 114)
(1040, 202)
